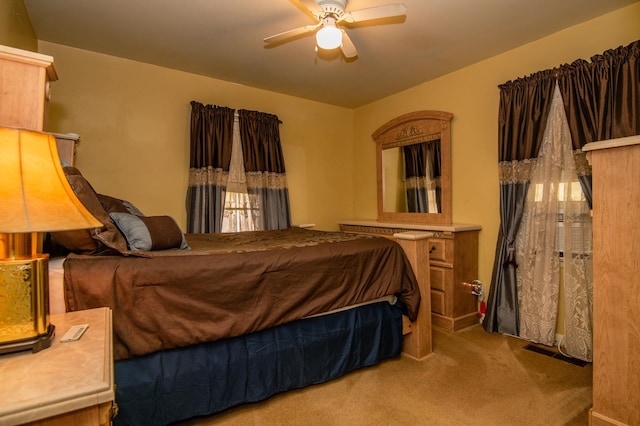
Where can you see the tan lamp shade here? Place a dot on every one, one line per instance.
(35, 195)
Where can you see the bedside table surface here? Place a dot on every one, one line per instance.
(63, 378)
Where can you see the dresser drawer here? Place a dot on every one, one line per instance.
(437, 302)
(440, 277)
(441, 250)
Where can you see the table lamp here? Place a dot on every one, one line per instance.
(35, 197)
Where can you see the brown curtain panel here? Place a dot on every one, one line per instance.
(264, 167)
(210, 156)
(601, 100)
(522, 116)
(602, 97)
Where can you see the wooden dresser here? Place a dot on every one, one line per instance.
(453, 261)
(616, 288)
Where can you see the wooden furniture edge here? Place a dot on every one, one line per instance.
(30, 58)
(417, 343)
(597, 419)
(611, 143)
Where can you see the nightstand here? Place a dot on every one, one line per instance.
(66, 384)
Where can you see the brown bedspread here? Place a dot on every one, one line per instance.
(231, 284)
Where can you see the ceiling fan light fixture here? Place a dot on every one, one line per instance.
(328, 14)
(329, 37)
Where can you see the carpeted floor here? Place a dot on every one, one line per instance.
(473, 378)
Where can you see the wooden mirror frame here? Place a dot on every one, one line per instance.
(408, 129)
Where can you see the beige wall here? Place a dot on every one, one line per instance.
(15, 26)
(133, 119)
(472, 95)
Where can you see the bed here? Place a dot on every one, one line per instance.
(203, 323)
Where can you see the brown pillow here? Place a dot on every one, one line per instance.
(77, 241)
(116, 205)
(90, 241)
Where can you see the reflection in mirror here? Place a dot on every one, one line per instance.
(393, 193)
(411, 178)
(413, 155)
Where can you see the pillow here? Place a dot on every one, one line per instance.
(77, 241)
(116, 205)
(148, 233)
(90, 241)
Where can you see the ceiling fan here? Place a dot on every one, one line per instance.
(328, 15)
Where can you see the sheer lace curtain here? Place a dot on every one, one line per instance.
(242, 211)
(555, 223)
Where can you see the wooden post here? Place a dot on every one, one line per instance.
(415, 244)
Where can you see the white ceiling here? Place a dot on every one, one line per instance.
(224, 39)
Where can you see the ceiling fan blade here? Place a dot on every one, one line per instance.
(348, 48)
(292, 33)
(386, 11)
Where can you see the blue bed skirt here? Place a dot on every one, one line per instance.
(204, 379)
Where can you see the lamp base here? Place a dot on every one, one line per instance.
(35, 344)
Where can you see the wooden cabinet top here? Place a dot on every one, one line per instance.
(454, 227)
(30, 58)
(63, 378)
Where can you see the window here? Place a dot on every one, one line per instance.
(240, 214)
(241, 210)
(574, 191)
(571, 199)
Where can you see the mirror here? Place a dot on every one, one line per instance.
(413, 153)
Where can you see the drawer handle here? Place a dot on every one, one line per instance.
(432, 249)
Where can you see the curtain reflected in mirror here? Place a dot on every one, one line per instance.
(412, 178)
